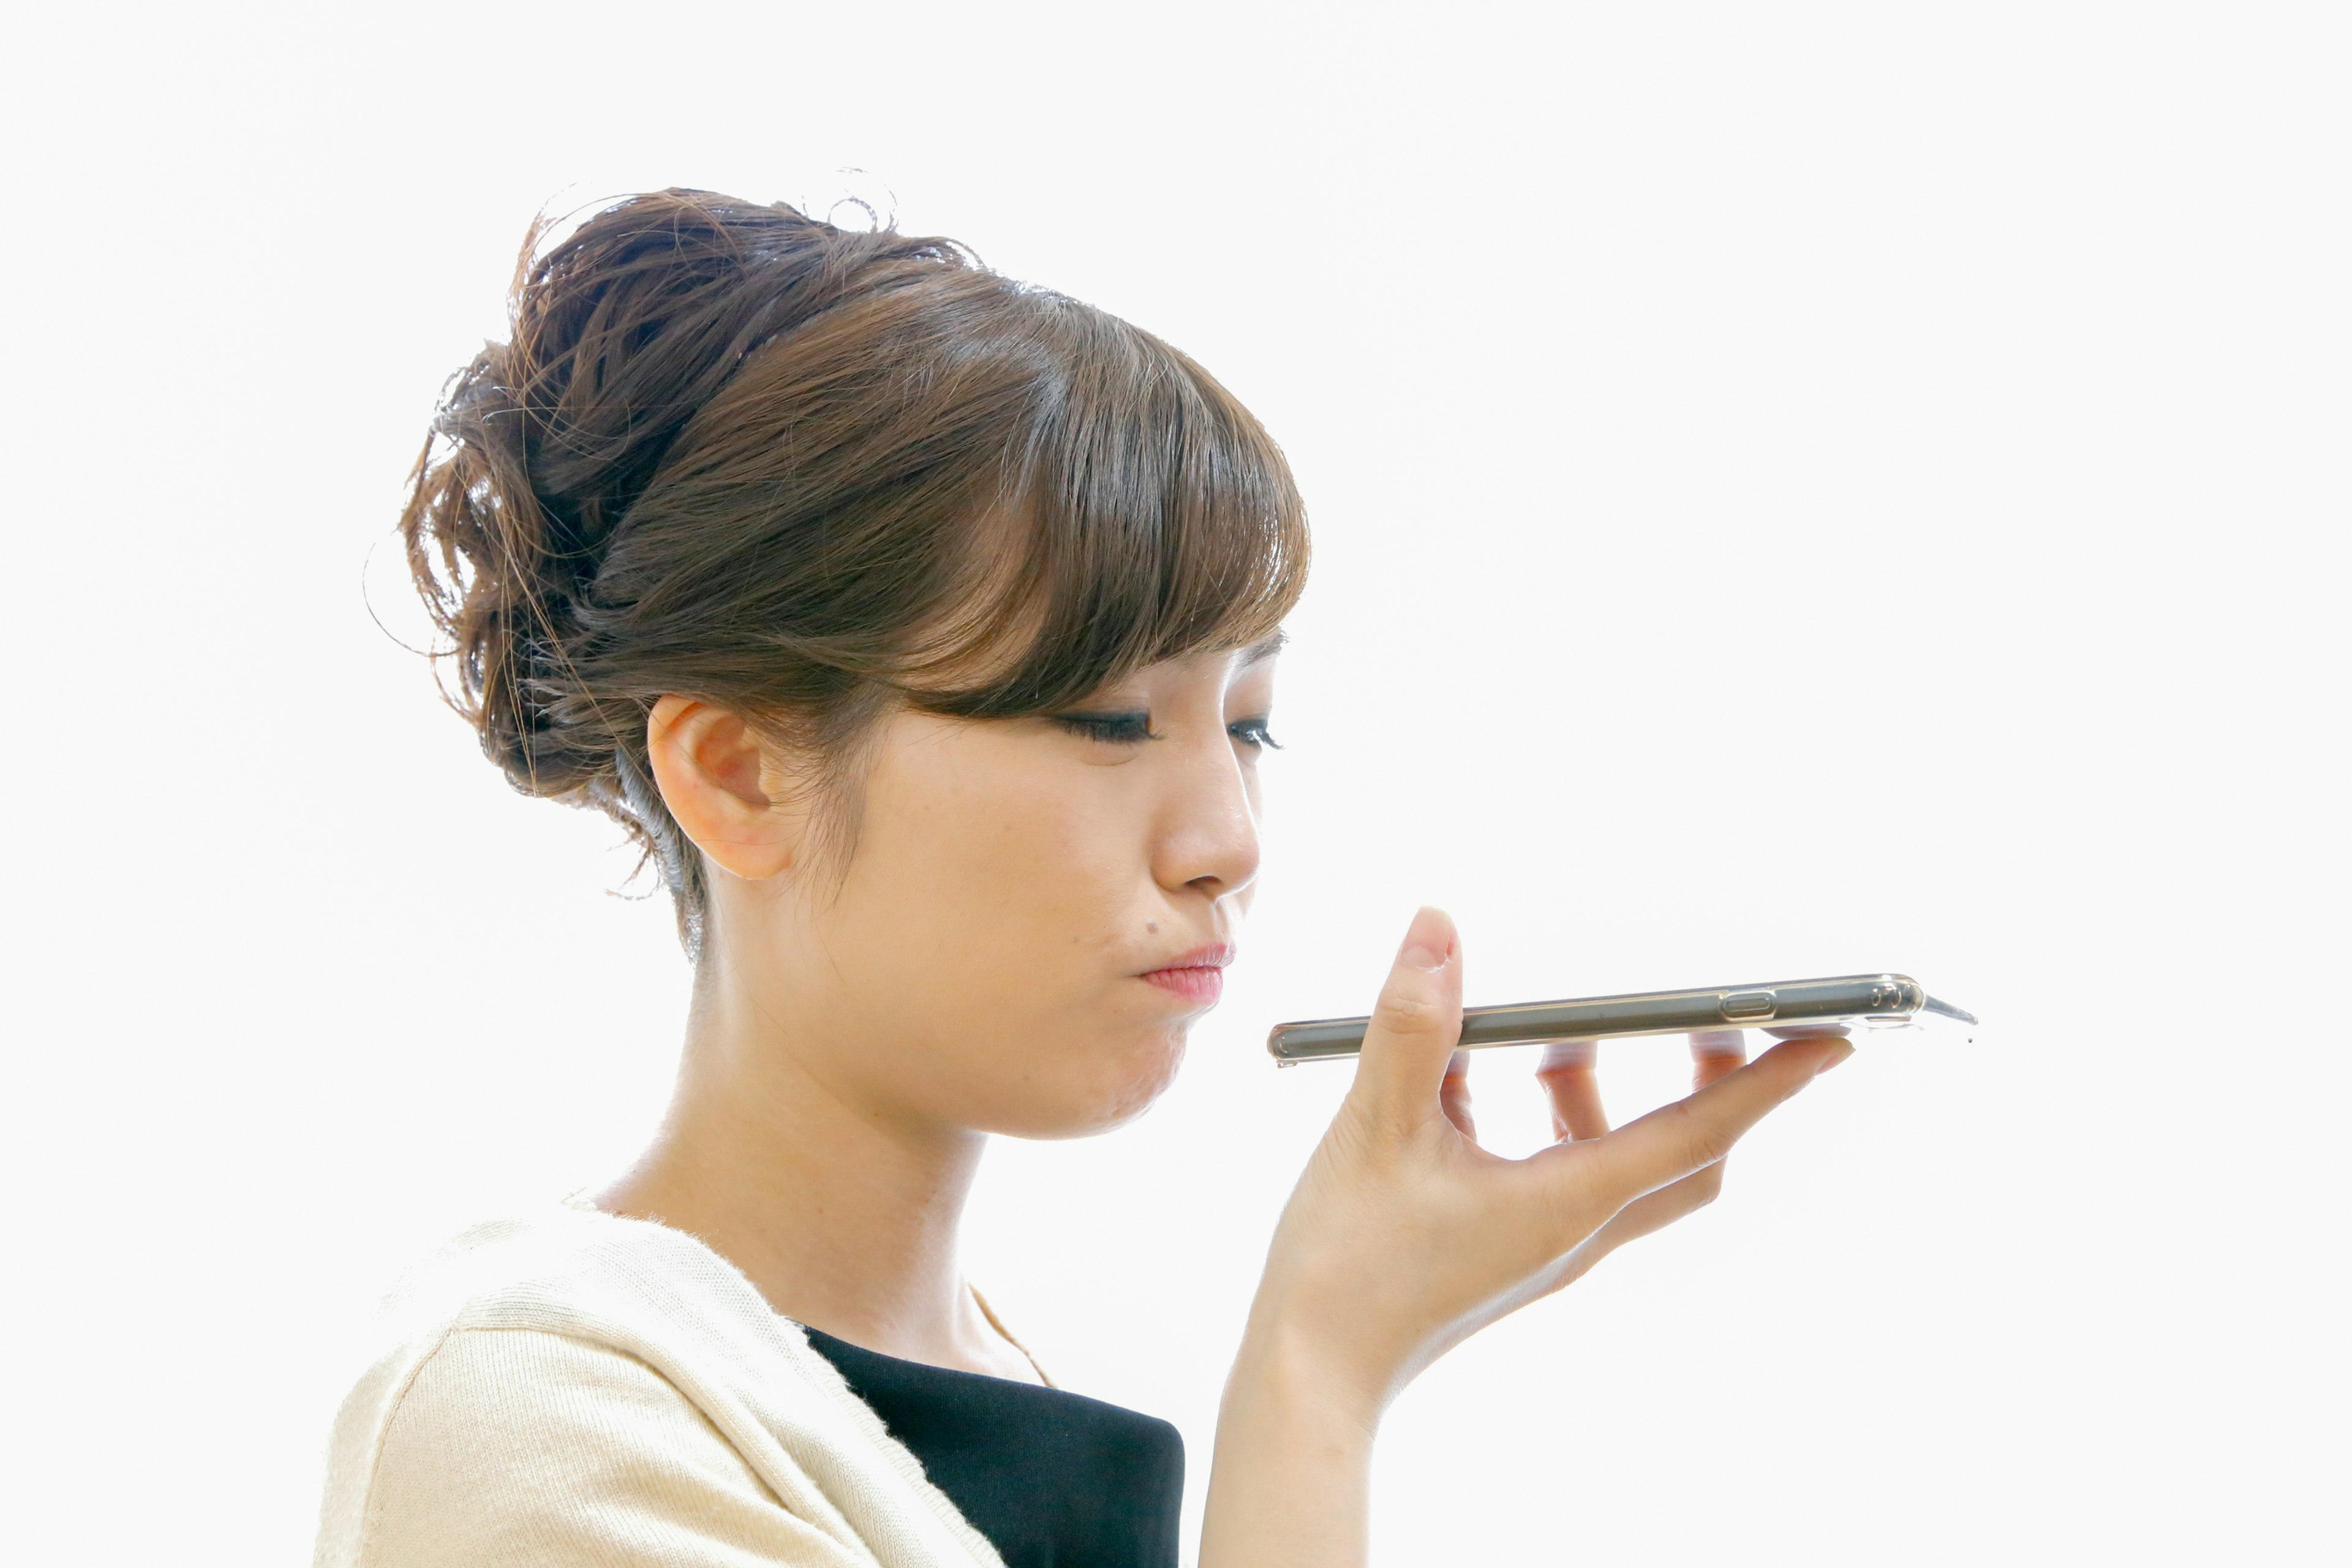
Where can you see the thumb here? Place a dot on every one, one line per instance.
(1414, 1024)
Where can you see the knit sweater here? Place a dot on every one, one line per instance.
(570, 1387)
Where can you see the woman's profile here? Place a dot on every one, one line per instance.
(922, 625)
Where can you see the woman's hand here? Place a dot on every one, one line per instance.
(1403, 1237)
(1567, 1076)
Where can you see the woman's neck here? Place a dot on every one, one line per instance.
(846, 1219)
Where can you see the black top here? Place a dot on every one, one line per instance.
(1053, 1479)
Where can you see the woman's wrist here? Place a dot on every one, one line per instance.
(1296, 1368)
(1291, 1480)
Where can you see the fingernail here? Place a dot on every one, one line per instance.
(1427, 942)
(1845, 1049)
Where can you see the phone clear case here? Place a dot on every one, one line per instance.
(1843, 1003)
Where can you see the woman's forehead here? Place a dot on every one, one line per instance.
(1230, 661)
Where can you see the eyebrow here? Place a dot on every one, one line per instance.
(1259, 652)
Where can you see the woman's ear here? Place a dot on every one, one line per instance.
(715, 779)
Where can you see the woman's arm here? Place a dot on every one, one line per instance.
(1403, 1237)
(531, 1449)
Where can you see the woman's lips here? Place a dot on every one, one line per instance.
(1199, 983)
(1197, 975)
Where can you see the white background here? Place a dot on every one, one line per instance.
(1798, 489)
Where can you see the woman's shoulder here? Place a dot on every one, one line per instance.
(527, 1446)
(568, 1385)
(569, 1269)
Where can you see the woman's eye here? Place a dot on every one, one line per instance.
(1120, 729)
(1253, 733)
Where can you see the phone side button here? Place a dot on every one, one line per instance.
(1748, 1007)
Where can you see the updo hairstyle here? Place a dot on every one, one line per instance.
(805, 473)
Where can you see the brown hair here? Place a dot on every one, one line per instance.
(732, 452)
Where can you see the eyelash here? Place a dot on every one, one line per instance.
(1254, 732)
(1133, 729)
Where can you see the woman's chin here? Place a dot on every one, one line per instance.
(1098, 1096)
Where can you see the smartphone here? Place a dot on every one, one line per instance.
(1839, 1004)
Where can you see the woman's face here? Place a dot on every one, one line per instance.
(1037, 910)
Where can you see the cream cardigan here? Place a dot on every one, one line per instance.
(572, 1388)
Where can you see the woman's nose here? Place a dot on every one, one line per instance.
(1208, 829)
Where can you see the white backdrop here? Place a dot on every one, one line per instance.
(1798, 489)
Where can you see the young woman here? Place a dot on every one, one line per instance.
(923, 626)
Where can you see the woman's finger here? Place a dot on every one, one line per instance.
(1453, 1095)
(1571, 1079)
(1717, 1053)
(1652, 1211)
(1691, 1134)
(1415, 1024)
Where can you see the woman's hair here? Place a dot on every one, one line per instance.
(804, 472)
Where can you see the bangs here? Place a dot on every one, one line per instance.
(1160, 519)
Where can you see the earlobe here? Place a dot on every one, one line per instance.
(710, 768)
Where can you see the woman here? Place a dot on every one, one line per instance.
(922, 627)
